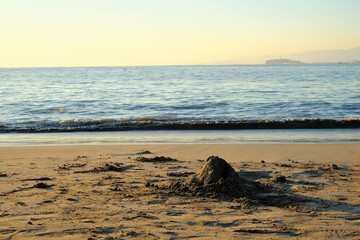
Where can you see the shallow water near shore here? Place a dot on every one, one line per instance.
(174, 137)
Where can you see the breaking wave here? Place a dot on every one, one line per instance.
(169, 123)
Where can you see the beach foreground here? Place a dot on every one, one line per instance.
(110, 192)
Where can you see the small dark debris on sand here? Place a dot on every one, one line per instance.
(42, 185)
(38, 179)
(335, 167)
(179, 174)
(72, 199)
(3, 175)
(280, 179)
(39, 185)
(149, 184)
(267, 231)
(143, 152)
(21, 204)
(284, 165)
(140, 215)
(107, 167)
(329, 168)
(68, 166)
(156, 159)
(80, 157)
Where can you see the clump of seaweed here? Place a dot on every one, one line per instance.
(157, 159)
(107, 167)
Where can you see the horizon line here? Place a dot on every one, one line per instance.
(160, 65)
(176, 65)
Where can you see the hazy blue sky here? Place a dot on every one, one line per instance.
(152, 32)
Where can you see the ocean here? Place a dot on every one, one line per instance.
(78, 99)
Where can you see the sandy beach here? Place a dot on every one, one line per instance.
(312, 191)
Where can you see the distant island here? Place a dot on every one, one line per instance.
(334, 56)
(282, 61)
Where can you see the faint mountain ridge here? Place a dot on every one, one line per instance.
(351, 55)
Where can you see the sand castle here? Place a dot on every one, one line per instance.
(216, 177)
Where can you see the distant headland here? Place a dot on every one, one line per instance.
(282, 61)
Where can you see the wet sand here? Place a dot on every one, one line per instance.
(108, 192)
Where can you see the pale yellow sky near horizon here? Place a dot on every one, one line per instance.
(158, 32)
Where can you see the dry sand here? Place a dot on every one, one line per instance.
(103, 192)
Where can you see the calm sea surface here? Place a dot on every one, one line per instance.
(59, 98)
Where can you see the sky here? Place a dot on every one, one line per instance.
(44, 33)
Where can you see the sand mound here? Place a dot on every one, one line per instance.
(216, 177)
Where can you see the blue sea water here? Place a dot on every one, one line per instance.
(65, 98)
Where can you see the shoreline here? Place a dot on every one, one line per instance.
(183, 137)
(347, 153)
